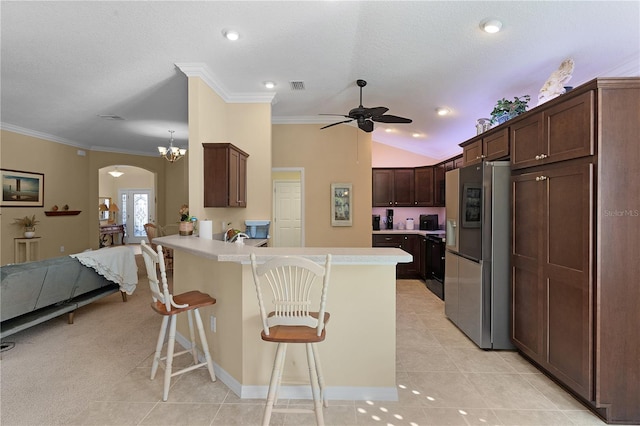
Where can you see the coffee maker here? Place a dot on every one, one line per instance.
(376, 222)
(389, 218)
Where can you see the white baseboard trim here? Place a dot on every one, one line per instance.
(348, 393)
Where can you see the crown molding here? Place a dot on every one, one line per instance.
(41, 135)
(304, 119)
(196, 69)
(51, 138)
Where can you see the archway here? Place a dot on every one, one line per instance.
(131, 195)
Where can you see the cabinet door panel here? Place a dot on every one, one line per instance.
(569, 128)
(403, 187)
(234, 184)
(526, 142)
(382, 180)
(528, 305)
(528, 301)
(439, 186)
(472, 153)
(567, 272)
(496, 146)
(424, 184)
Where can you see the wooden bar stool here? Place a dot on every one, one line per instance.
(291, 282)
(169, 306)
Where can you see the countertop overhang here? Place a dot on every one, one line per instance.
(231, 252)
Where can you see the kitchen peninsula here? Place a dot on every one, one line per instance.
(358, 355)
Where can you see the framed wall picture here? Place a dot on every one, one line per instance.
(341, 202)
(22, 189)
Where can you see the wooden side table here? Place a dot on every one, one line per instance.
(31, 249)
(108, 232)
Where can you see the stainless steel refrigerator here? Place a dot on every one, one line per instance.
(476, 289)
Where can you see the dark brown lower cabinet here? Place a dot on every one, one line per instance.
(551, 271)
(407, 242)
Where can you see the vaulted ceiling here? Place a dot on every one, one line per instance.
(63, 64)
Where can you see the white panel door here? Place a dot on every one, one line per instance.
(287, 226)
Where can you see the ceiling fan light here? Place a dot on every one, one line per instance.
(491, 26)
(231, 35)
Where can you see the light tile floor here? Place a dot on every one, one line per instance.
(442, 378)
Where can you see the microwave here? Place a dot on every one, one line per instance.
(428, 222)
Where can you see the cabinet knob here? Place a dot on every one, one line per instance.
(540, 178)
(390, 202)
(541, 157)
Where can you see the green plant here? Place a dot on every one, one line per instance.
(515, 107)
(184, 214)
(27, 222)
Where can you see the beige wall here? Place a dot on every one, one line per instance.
(388, 156)
(247, 126)
(72, 179)
(337, 154)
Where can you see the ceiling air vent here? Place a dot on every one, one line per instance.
(110, 117)
(297, 85)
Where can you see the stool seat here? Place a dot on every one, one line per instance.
(194, 299)
(170, 306)
(294, 333)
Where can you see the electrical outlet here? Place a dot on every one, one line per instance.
(61, 249)
(213, 323)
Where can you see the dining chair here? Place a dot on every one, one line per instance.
(153, 231)
(170, 306)
(296, 315)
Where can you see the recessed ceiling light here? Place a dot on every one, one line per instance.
(269, 84)
(416, 135)
(442, 111)
(388, 130)
(491, 25)
(231, 35)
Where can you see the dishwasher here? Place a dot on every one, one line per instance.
(435, 264)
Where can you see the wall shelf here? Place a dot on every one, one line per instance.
(63, 213)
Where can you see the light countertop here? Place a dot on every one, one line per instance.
(231, 252)
(409, 231)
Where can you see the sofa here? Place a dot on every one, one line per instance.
(34, 292)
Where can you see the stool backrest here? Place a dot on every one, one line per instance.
(152, 260)
(291, 281)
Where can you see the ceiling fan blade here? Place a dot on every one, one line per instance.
(366, 126)
(391, 119)
(335, 124)
(376, 112)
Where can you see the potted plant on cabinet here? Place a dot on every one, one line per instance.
(506, 109)
(29, 225)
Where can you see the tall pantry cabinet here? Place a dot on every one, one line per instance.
(575, 252)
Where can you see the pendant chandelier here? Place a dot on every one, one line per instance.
(172, 153)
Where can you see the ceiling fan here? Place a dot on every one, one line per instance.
(366, 116)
